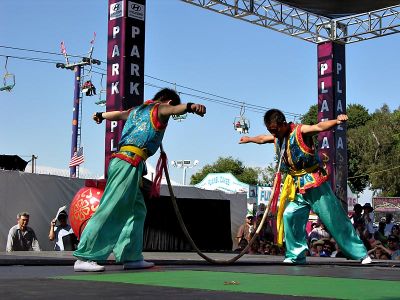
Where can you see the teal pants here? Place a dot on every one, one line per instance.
(117, 225)
(324, 203)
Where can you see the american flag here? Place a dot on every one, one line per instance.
(63, 50)
(94, 38)
(77, 158)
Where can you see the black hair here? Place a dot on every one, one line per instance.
(274, 116)
(62, 215)
(167, 95)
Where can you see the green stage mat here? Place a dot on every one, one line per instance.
(326, 287)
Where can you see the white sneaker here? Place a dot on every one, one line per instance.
(366, 260)
(139, 264)
(87, 266)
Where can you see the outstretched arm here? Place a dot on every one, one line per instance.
(111, 116)
(323, 126)
(166, 110)
(259, 139)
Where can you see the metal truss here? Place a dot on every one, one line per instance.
(305, 25)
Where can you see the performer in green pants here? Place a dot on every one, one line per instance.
(306, 187)
(117, 225)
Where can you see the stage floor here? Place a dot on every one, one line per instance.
(44, 275)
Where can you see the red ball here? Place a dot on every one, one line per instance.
(83, 206)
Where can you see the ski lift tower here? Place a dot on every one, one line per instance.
(330, 25)
(78, 68)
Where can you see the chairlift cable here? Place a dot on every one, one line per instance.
(229, 102)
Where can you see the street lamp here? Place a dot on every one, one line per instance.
(184, 164)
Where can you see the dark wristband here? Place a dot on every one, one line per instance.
(99, 115)
(189, 107)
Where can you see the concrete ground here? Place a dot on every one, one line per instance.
(44, 275)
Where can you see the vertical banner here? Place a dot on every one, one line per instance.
(326, 140)
(125, 65)
(75, 117)
(341, 171)
(331, 103)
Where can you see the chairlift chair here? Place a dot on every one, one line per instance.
(88, 88)
(182, 117)
(102, 93)
(179, 118)
(240, 123)
(8, 80)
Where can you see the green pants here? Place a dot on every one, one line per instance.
(117, 225)
(324, 203)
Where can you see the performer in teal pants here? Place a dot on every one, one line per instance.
(117, 225)
(306, 188)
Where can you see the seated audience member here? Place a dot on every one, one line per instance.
(317, 247)
(275, 250)
(363, 233)
(393, 245)
(62, 234)
(327, 249)
(21, 237)
(377, 251)
(266, 233)
(244, 233)
(336, 250)
(392, 249)
(319, 232)
(389, 224)
(379, 235)
(396, 230)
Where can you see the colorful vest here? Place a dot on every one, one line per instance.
(142, 130)
(301, 161)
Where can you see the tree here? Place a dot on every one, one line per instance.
(358, 117)
(311, 116)
(228, 165)
(377, 147)
(266, 175)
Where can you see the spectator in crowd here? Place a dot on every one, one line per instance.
(368, 217)
(336, 250)
(392, 251)
(21, 237)
(275, 250)
(379, 235)
(377, 252)
(327, 248)
(244, 233)
(357, 213)
(319, 232)
(396, 230)
(393, 247)
(62, 233)
(266, 233)
(316, 247)
(389, 224)
(362, 233)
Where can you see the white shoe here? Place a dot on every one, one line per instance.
(288, 261)
(87, 266)
(139, 264)
(366, 260)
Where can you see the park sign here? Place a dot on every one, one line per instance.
(125, 65)
(228, 183)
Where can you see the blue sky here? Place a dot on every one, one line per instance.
(187, 45)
